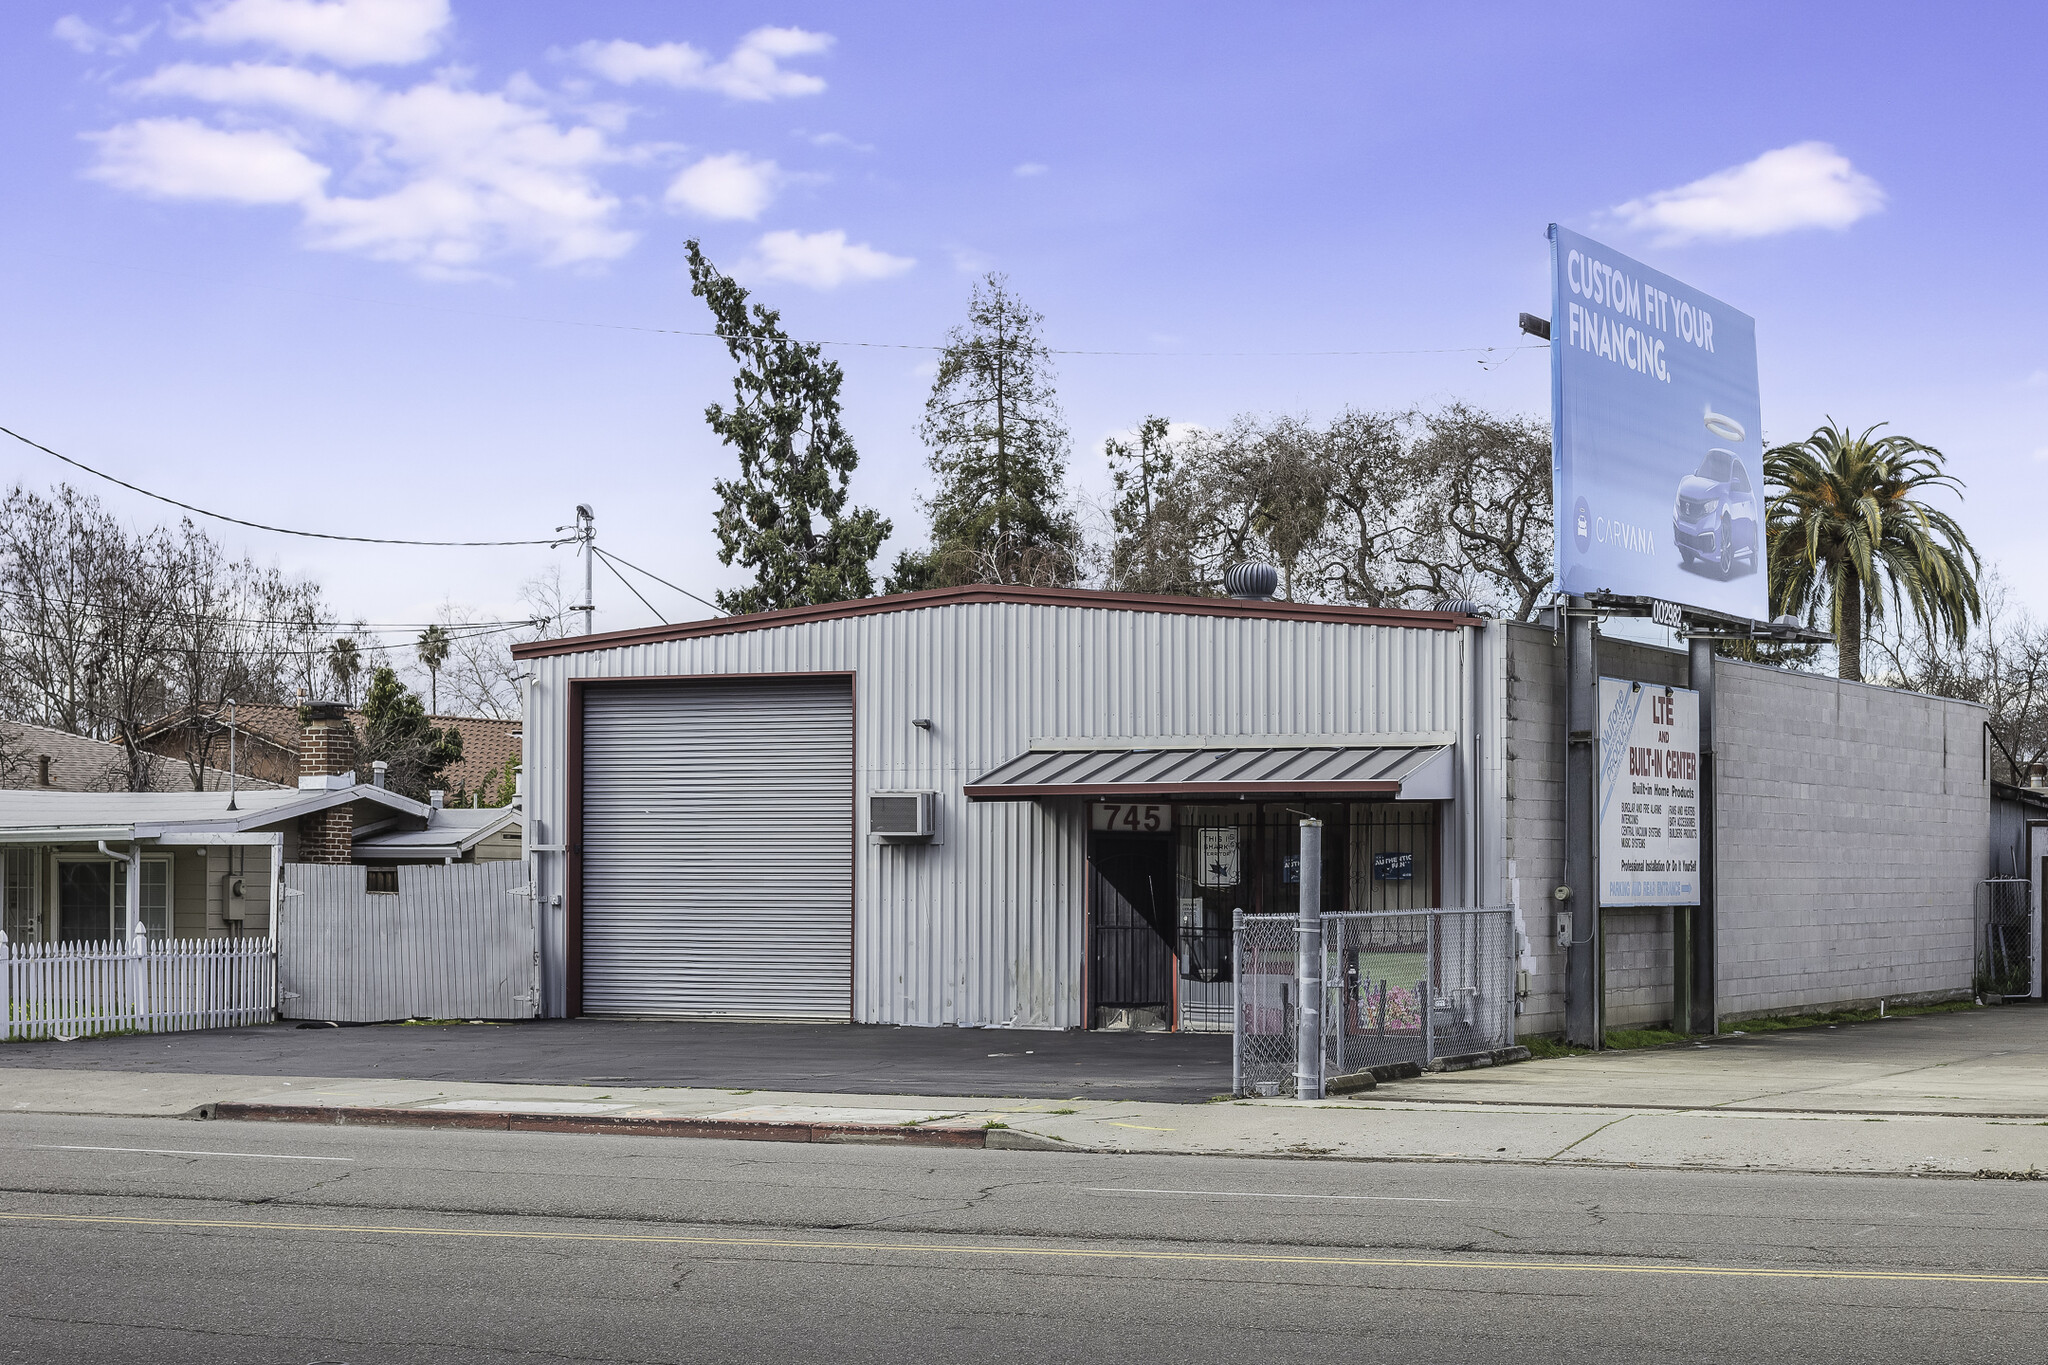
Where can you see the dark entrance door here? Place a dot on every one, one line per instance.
(1131, 896)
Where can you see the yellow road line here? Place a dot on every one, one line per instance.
(1074, 1253)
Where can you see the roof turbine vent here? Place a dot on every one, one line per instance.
(1252, 582)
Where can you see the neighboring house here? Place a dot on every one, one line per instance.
(267, 744)
(456, 834)
(204, 869)
(38, 758)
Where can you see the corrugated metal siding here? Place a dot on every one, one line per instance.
(985, 925)
(717, 849)
(454, 943)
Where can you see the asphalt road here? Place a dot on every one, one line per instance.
(829, 1058)
(159, 1240)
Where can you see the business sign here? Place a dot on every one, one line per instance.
(1393, 867)
(1649, 794)
(1657, 435)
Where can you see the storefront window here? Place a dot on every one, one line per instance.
(1377, 855)
(1165, 881)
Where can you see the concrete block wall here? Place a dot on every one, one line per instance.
(1528, 687)
(1638, 967)
(1854, 826)
(1853, 829)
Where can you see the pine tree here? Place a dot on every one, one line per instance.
(998, 448)
(786, 516)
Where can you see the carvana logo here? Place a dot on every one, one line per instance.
(1582, 526)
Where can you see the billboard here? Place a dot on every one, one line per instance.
(1656, 435)
(1648, 794)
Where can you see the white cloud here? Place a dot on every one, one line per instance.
(753, 72)
(347, 32)
(1806, 185)
(1029, 169)
(321, 95)
(835, 140)
(729, 185)
(822, 260)
(437, 176)
(968, 260)
(175, 158)
(91, 41)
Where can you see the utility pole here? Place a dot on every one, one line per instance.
(583, 533)
(1578, 908)
(1308, 965)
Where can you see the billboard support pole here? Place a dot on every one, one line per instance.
(1581, 906)
(1705, 1007)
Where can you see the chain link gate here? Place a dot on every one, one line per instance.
(2005, 938)
(1399, 987)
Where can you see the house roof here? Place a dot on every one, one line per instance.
(998, 593)
(450, 832)
(80, 763)
(486, 743)
(56, 817)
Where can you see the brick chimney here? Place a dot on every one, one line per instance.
(327, 762)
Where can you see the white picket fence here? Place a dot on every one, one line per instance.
(73, 990)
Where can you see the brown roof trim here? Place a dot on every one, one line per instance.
(986, 593)
(1006, 791)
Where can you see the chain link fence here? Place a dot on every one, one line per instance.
(2005, 936)
(1403, 986)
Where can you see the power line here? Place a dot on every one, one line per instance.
(607, 554)
(457, 629)
(635, 591)
(257, 525)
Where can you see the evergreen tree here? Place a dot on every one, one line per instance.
(786, 516)
(397, 729)
(998, 448)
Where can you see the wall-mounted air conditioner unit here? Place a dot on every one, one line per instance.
(900, 817)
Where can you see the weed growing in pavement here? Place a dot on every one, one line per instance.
(1066, 1111)
(1549, 1049)
(994, 1123)
(1643, 1037)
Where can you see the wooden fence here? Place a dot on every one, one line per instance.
(74, 990)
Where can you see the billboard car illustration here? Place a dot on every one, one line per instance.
(1715, 519)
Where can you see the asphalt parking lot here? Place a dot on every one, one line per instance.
(829, 1058)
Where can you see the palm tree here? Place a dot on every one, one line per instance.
(344, 661)
(1845, 526)
(433, 650)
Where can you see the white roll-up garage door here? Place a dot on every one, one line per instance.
(718, 849)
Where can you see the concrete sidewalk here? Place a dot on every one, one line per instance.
(1986, 1063)
(1960, 1093)
(1382, 1129)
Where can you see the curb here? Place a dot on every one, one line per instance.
(624, 1125)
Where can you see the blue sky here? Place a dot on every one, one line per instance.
(398, 266)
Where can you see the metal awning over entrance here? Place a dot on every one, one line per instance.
(1405, 767)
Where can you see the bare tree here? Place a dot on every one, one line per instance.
(107, 632)
(1387, 509)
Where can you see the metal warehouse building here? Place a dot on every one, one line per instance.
(1040, 807)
